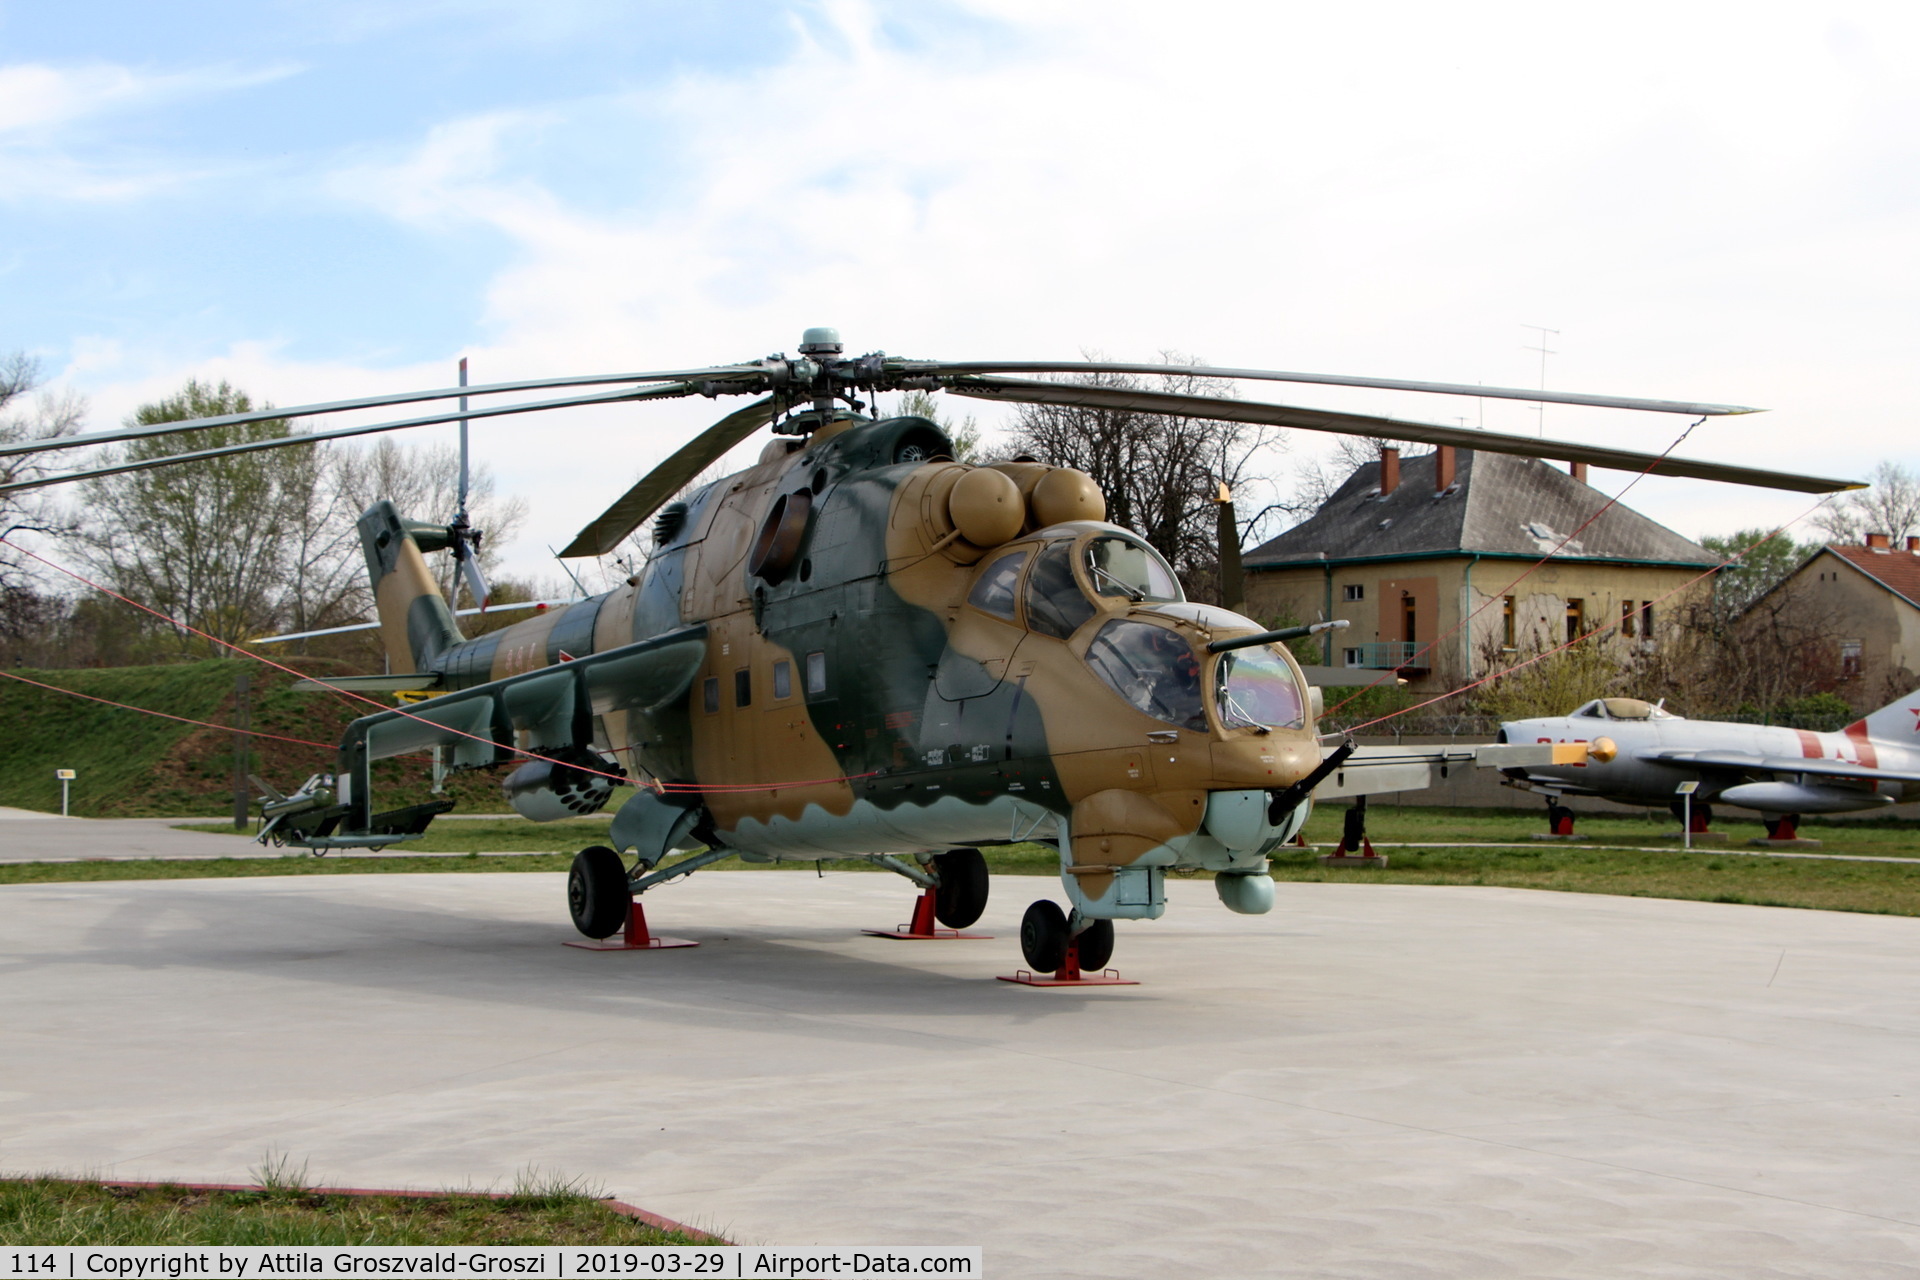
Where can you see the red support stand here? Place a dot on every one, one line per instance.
(1563, 826)
(635, 937)
(1069, 975)
(923, 927)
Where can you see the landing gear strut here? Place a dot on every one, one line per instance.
(1355, 850)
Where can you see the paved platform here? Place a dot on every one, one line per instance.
(1373, 1081)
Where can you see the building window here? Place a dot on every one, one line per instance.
(1576, 619)
(1629, 618)
(1506, 623)
(742, 687)
(1646, 620)
(1410, 632)
(816, 673)
(710, 693)
(1352, 657)
(1353, 591)
(1849, 659)
(782, 679)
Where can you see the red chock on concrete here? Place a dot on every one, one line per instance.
(923, 927)
(1069, 975)
(635, 937)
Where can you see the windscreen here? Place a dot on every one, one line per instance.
(1122, 567)
(1153, 668)
(1254, 687)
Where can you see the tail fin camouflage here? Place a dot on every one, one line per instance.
(415, 622)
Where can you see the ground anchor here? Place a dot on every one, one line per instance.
(635, 936)
(923, 927)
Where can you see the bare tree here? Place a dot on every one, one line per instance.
(1891, 506)
(1317, 479)
(1161, 473)
(44, 417)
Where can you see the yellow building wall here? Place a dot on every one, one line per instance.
(1444, 589)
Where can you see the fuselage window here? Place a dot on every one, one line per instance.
(1123, 567)
(1152, 668)
(816, 673)
(710, 693)
(1256, 687)
(742, 687)
(1055, 604)
(782, 679)
(998, 588)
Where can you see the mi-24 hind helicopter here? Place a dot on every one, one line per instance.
(860, 647)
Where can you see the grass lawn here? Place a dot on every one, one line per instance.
(1600, 865)
(43, 1211)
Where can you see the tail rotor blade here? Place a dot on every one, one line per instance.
(476, 581)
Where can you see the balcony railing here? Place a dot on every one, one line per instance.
(1387, 655)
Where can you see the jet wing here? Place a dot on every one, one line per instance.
(553, 705)
(1373, 771)
(1749, 762)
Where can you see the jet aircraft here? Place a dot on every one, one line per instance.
(1638, 753)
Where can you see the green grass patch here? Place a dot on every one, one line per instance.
(44, 1211)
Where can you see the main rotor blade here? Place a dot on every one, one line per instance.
(282, 442)
(718, 373)
(937, 367)
(667, 479)
(1355, 424)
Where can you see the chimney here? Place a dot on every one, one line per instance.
(1443, 470)
(1878, 542)
(1389, 469)
(1913, 545)
(1578, 470)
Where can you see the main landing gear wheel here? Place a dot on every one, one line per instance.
(1044, 937)
(597, 893)
(961, 897)
(1702, 815)
(1096, 945)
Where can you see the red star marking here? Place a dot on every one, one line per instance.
(1916, 718)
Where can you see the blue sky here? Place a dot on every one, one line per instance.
(316, 200)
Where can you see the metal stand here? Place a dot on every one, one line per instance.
(1353, 835)
(1069, 975)
(635, 937)
(923, 927)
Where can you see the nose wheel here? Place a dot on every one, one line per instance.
(1063, 952)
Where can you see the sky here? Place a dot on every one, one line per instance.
(1704, 201)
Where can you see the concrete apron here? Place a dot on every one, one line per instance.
(1372, 1080)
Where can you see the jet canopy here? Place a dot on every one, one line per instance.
(1625, 709)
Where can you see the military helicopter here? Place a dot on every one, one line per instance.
(860, 647)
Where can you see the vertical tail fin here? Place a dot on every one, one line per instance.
(1898, 721)
(415, 622)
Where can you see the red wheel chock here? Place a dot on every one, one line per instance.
(1069, 975)
(635, 937)
(923, 927)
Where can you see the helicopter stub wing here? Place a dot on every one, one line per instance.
(1372, 771)
(555, 705)
(1025, 391)
(651, 493)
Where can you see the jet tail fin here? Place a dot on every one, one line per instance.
(416, 624)
(1898, 721)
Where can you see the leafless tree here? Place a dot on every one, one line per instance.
(25, 417)
(1891, 506)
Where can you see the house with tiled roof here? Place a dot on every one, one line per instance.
(1871, 595)
(1436, 563)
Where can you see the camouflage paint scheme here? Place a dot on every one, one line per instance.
(936, 724)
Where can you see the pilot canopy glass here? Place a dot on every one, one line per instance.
(1122, 567)
(1256, 688)
(1153, 668)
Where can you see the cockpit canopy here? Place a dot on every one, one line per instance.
(1625, 709)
